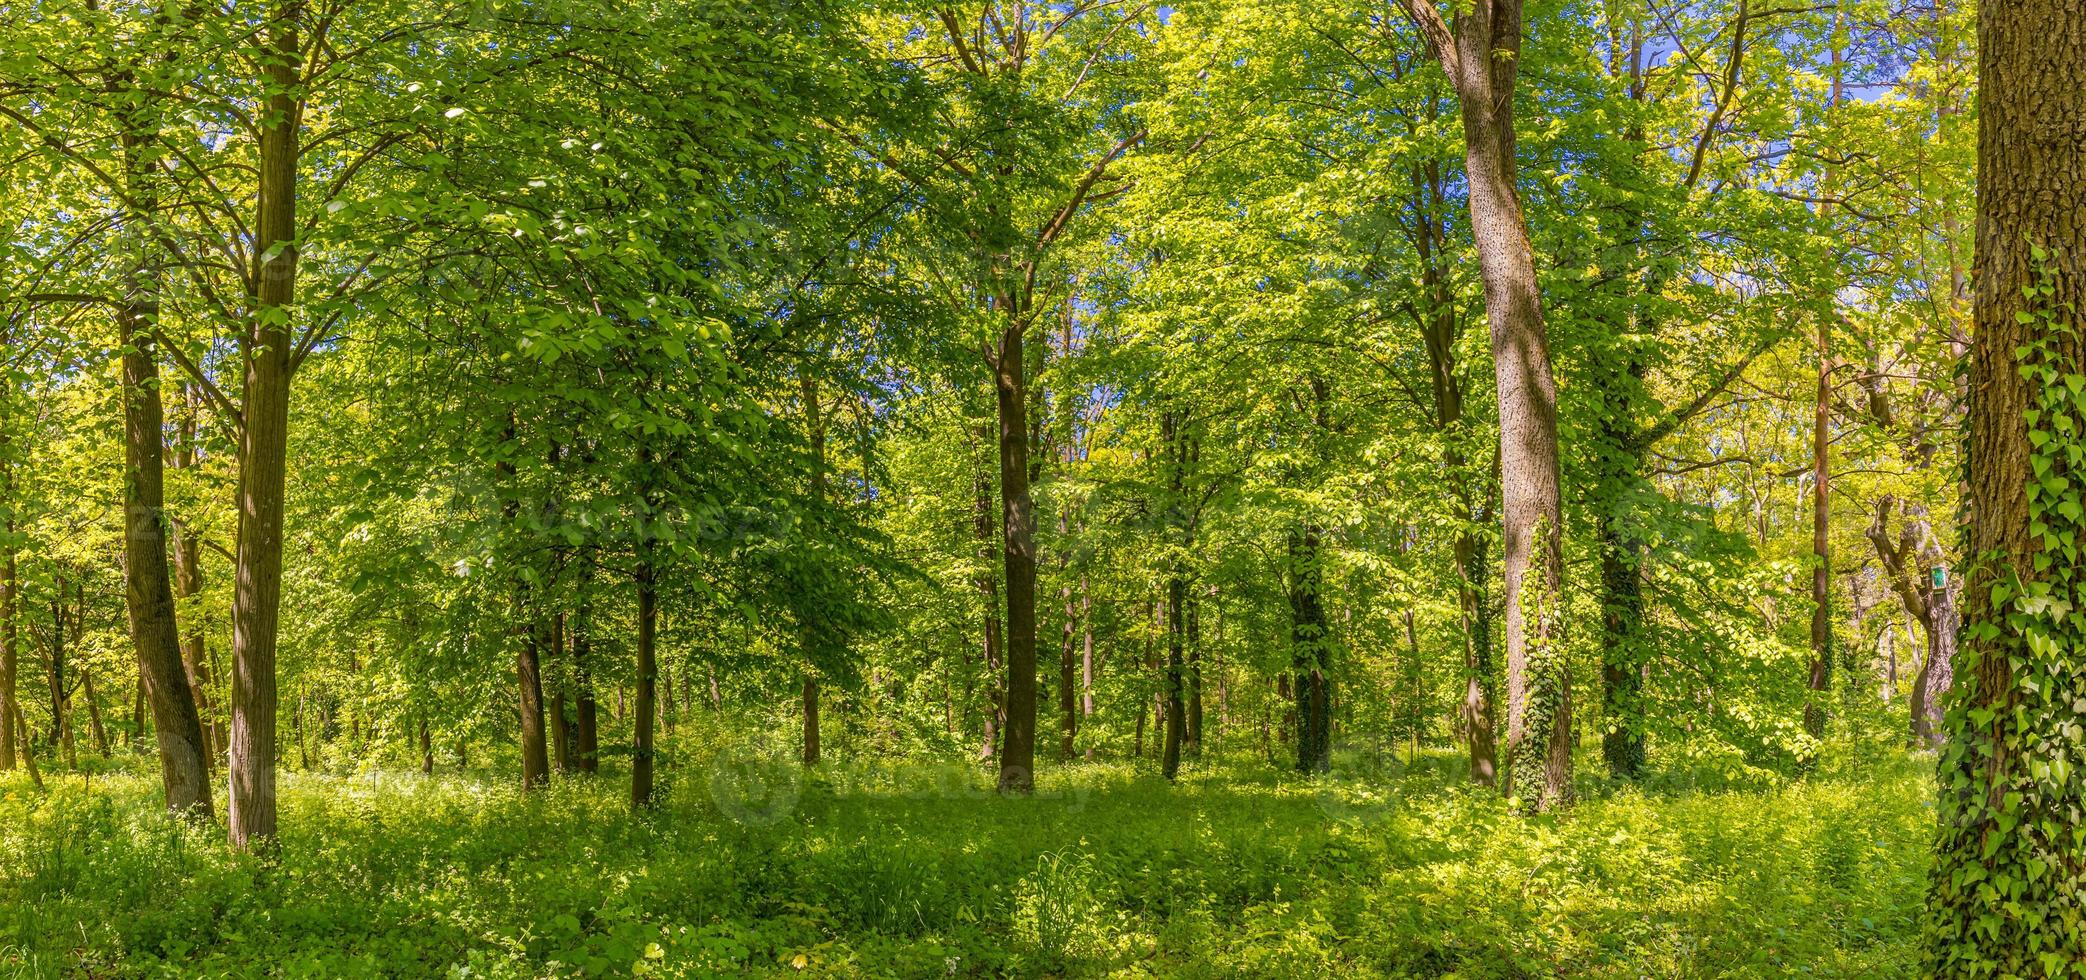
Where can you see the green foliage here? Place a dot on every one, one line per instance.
(922, 871)
(2010, 881)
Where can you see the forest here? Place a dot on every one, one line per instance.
(1475, 489)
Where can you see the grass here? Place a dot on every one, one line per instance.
(914, 871)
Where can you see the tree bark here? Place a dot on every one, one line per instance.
(2008, 893)
(1818, 678)
(1308, 641)
(647, 679)
(1482, 58)
(1018, 526)
(149, 595)
(183, 752)
(815, 426)
(1176, 727)
(586, 712)
(265, 406)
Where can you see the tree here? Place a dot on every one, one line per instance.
(2008, 891)
(1482, 57)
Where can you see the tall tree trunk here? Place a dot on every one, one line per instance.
(527, 632)
(561, 740)
(647, 676)
(1176, 631)
(427, 749)
(528, 670)
(264, 443)
(1193, 679)
(2006, 895)
(149, 595)
(1482, 57)
(1818, 679)
(1018, 527)
(1308, 642)
(586, 712)
(815, 426)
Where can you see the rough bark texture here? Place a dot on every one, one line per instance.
(149, 593)
(1481, 56)
(528, 672)
(2008, 892)
(1018, 526)
(257, 586)
(1439, 327)
(148, 589)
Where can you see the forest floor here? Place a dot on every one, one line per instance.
(1390, 868)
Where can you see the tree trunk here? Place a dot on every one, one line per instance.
(587, 713)
(257, 595)
(1308, 642)
(1482, 57)
(560, 725)
(427, 749)
(1192, 743)
(188, 583)
(183, 754)
(647, 672)
(28, 746)
(1018, 526)
(1176, 728)
(2005, 896)
(815, 427)
(101, 732)
(1818, 679)
(529, 676)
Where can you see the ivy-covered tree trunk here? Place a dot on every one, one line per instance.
(257, 588)
(2008, 892)
(1018, 526)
